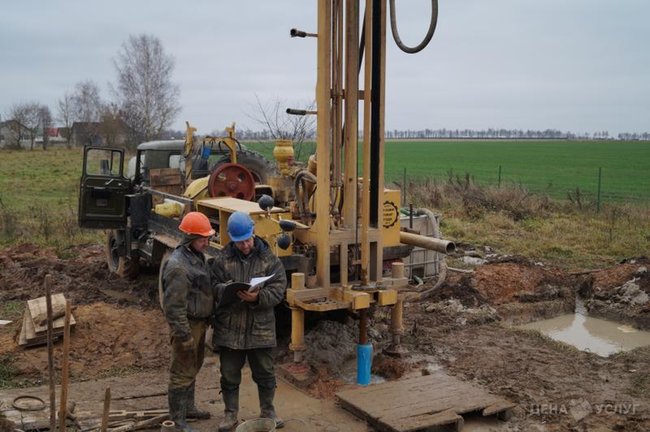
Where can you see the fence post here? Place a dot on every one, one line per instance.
(600, 172)
(499, 181)
(404, 188)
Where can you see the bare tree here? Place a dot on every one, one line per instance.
(278, 124)
(65, 115)
(27, 114)
(147, 97)
(83, 104)
(45, 119)
(87, 104)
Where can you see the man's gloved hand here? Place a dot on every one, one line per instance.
(188, 345)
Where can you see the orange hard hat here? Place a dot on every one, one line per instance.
(196, 223)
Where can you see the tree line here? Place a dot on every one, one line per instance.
(511, 134)
(309, 133)
(143, 104)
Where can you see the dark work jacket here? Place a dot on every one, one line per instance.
(245, 325)
(187, 292)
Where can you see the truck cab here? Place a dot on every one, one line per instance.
(118, 196)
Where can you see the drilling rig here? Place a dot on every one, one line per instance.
(333, 223)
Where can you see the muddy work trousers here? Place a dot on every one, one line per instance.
(260, 360)
(187, 363)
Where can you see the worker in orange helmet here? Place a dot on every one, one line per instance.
(188, 302)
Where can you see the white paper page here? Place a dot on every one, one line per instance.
(258, 281)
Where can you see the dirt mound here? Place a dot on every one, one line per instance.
(460, 287)
(504, 282)
(106, 340)
(613, 277)
(84, 278)
(620, 293)
(119, 324)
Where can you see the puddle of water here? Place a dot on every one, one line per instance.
(596, 335)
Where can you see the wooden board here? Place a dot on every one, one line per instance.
(164, 176)
(32, 334)
(38, 310)
(419, 403)
(166, 180)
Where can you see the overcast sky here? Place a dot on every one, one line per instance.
(572, 65)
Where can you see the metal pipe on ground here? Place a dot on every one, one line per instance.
(438, 245)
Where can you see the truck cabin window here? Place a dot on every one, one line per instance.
(104, 163)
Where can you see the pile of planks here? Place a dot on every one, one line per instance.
(34, 331)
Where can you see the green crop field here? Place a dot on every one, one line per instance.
(552, 167)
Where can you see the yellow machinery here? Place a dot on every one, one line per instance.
(333, 223)
(340, 220)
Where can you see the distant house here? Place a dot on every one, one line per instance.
(54, 135)
(110, 132)
(14, 134)
(85, 133)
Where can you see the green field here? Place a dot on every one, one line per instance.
(554, 167)
(38, 197)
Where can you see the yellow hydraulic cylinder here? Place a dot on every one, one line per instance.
(297, 321)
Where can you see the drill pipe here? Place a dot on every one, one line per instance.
(434, 244)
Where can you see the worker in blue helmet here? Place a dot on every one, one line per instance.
(245, 329)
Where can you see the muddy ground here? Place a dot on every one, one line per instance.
(464, 328)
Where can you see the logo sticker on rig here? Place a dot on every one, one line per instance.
(391, 214)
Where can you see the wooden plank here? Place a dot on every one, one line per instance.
(164, 177)
(498, 407)
(139, 415)
(30, 338)
(22, 339)
(419, 403)
(234, 204)
(38, 309)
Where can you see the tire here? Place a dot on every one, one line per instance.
(119, 265)
(163, 262)
(261, 168)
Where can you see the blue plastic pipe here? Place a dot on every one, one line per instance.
(364, 363)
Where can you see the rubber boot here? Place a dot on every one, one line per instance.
(177, 399)
(231, 403)
(192, 409)
(267, 410)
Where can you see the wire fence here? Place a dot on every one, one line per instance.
(602, 187)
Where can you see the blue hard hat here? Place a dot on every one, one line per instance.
(240, 226)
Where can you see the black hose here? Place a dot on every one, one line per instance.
(427, 38)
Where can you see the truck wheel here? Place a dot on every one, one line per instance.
(163, 262)
(120, 265)
(261, 168)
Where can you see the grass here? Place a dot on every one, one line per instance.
(39, 189)
(516, 222)
(8, 371)
(12, 310)
(38, 197)
(556, 168)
